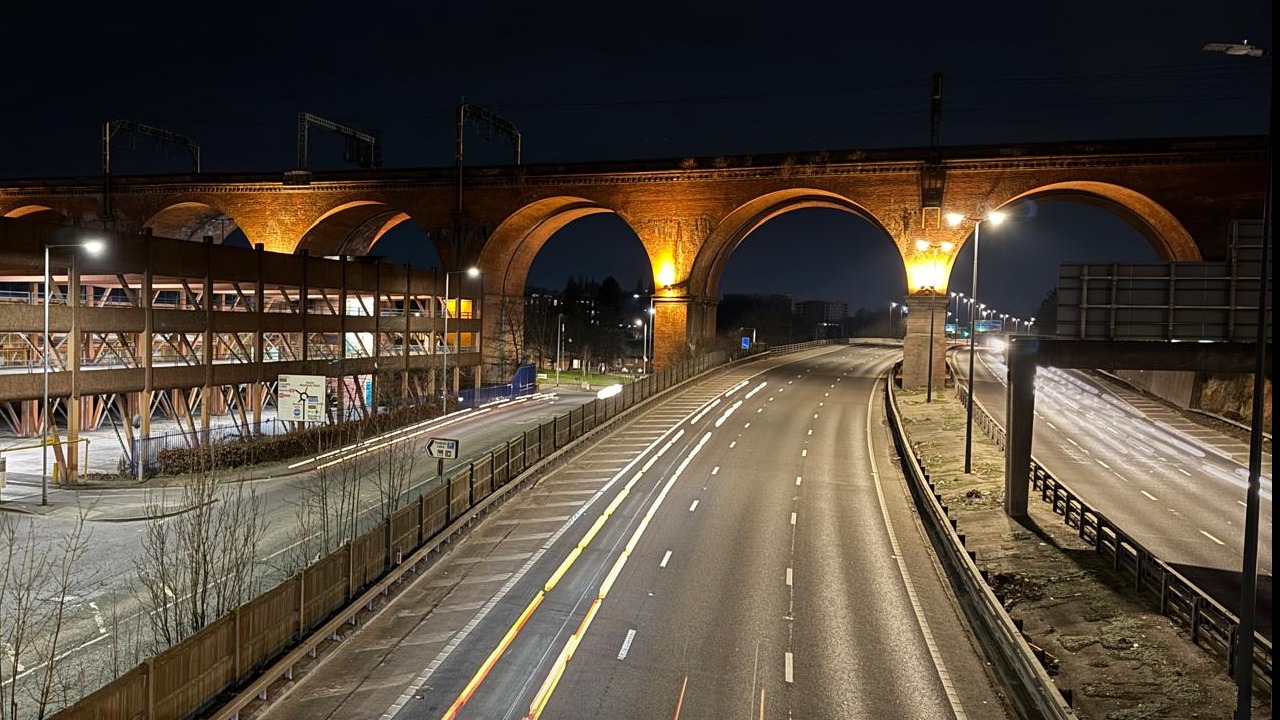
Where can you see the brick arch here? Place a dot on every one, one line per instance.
(1167, 235)
(191, 220)
(729, 233)
(509, 252)
(352, 228)
(36, 213)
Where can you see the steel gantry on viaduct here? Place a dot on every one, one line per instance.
(169, 317)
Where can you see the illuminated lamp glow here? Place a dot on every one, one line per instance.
(609, 391)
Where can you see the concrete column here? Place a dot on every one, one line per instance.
(1020, 406)
(924, 335)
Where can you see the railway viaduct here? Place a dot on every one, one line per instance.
(688, 213)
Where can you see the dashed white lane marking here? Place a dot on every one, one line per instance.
(1212, 537)
(97, 617)
(789, 577)
(804, 453)
(1149, 495)
(788, 671)
(626, 644)
(797, 481)
(715, 470)
(694, 506)
(1102, 463)
(665, 558)
(793, 518)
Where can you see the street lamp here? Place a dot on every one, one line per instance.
(93, 247)
(892, 305)
(644, 346)
(471, 272)
(559, 344)
(995, 218)
(1242, 664)
(928, 385)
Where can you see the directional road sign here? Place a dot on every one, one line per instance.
(442, 448)
(300, 398)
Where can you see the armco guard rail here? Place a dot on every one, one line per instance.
(228, 664)
(1030, 688)
(1207, 622)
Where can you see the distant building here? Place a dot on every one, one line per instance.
(816, 311)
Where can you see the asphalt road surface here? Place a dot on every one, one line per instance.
(1169, 484)
(744, 549)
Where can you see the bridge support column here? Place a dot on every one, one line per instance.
(926, 334)
(670, 331)
(1020, 406)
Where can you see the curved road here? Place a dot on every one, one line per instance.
(105, 632)
(746, 548)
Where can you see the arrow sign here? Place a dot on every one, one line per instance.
(442, 448)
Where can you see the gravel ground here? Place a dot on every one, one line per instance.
(1110, 650)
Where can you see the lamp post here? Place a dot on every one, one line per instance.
(1242, 661)
(644, 346)
(472, 272)
(559, 344)
(928, 385)
(994, 218)
(892, 305)
(93, 247)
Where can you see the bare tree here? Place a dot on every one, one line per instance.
(197, 560)
(325, 514)
(393, 472)
(37, 583)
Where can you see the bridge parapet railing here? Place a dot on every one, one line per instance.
(1207, 622)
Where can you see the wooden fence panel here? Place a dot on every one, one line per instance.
(324, 588)
(124, 698)
(405, 524)
(189, 675)
(482, 478)
(459, 501)
(433, 512)
(369, 558)
(269, 624)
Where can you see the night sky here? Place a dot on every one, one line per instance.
(602, 81)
